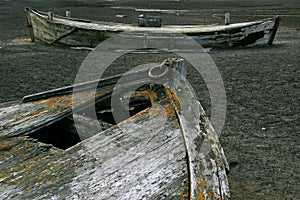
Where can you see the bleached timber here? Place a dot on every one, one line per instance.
(79, 32)
(139, 158)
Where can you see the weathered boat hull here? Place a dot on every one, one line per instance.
(154, 154)
(76, 32)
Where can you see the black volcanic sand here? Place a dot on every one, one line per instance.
(261, 133)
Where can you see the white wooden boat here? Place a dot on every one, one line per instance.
(154, 154)
(53, 29)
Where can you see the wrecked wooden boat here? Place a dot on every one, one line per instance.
(160, 151)
(53, 29)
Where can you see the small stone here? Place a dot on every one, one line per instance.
(263, 128)
(121, 16)
(178, 14)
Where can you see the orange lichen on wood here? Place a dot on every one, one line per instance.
(6, 154)
(15, 148)
(29, 188)
(201, 188)
(169, 110)
(41, 177)
(211, 194)
(174, 98)
(69, 103)
(4, 145)
(147, 93)
(184, 196)
(51, 106)
(201, 196)
(201, 183)
(26, 144)
(57, 165)
(141, 114)
(21, 117)
(35, 113)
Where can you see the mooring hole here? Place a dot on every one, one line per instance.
(63, 134)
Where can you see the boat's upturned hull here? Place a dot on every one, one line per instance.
(76, 32)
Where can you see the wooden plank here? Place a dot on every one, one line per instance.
(167, 151)
(120, 163)
(29, 22)
(201, 145)
(274, 31)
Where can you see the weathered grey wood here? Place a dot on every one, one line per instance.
(42, 109)
(274, 31)
(116, 164)
(136, 76)
(74, 32)
(30, 28)
(201, 143)
(142, 158)
(68, 13)
(227, 18)
(167, 151)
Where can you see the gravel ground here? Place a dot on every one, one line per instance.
(261, 133)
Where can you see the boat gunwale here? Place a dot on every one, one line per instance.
(118, 27)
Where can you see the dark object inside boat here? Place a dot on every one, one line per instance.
(65, 132)
(149, 21)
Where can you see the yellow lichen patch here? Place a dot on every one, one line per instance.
(201, 183)
(15, 169)
(71, 162)
(201, 196)
(184, 196)
(26, 144)
(6, 154)
(51, 103)
(23, 137)
(105, 91)
(41, 177)
(91, 94)
(169, 110)
(21, 117)
(29, 188)
(153, 97)
(57, 165)
(141, 114)
(174, 98)
(49, 100)
(24, 157)
(50, 107)
(30, 163)
(18, 180)
(211, 194)
(15, 148)
(35, 113)
(4, 145)
(69, 103)
(147, 93)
